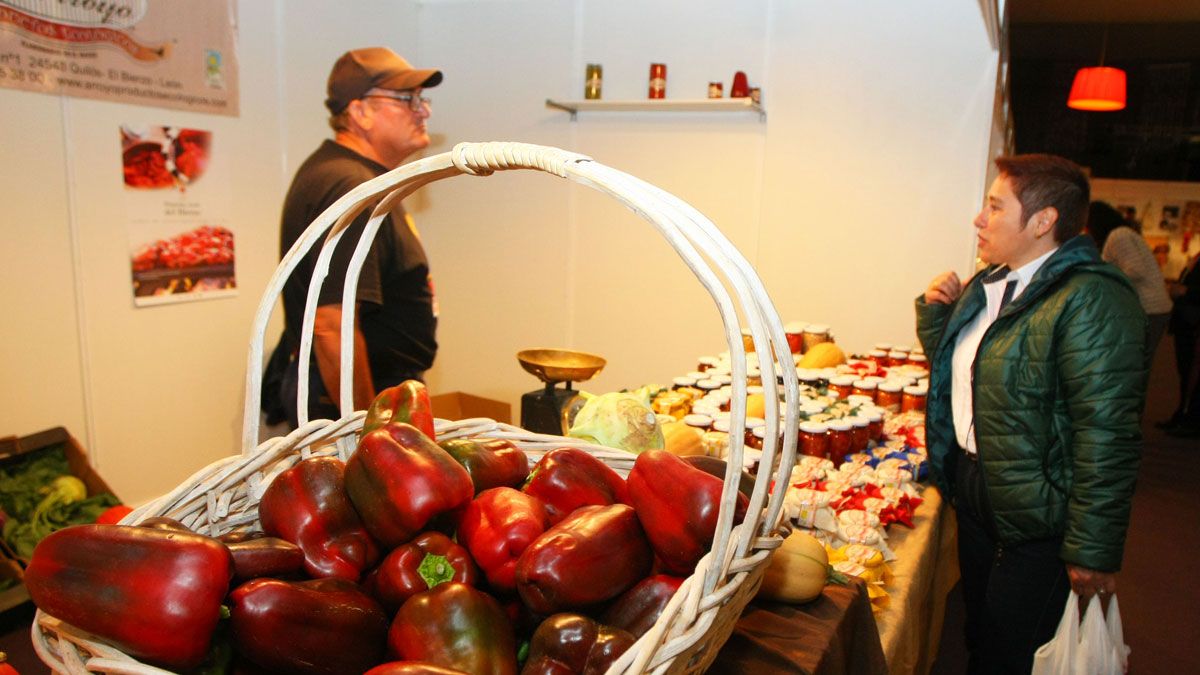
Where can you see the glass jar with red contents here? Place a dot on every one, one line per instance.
(864, 388)
(753, 423)
(794, 332)
(860, 434)
(755, 438)
(839, 440)
(878, 357)
(888, 395)
(897, 357)
(658, 80)
(913, 399)
(918, 360)
(814, 439)
(874, 424)
(842, 384)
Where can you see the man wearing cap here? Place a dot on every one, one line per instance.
(1037, 377)
(378, 116)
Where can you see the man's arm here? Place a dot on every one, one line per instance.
(327, 343)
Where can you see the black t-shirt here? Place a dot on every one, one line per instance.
(395, 293)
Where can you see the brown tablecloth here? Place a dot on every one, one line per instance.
(837, 633)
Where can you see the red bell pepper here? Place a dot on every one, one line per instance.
(429, 559)
(594, 555)
(568, 478)
(308, 506)
(678, 505)
(497, 527)
(573, 643)
(491, 463)
(154, 594)
(322, 627)
(412, 668)
(455, 626)
(406, 402)
(264, 556)
(638, 608)
(113, 514)
(400, 481)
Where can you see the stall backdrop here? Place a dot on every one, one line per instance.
(858, 186)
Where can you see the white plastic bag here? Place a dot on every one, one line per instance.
(1095, 648)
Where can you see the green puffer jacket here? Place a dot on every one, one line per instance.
(1059, 382)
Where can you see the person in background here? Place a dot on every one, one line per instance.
(1121, 243)
(378, 115)
(1036, 388)
(1185, 326)
(1162, 253)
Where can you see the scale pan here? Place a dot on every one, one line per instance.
(560, 365)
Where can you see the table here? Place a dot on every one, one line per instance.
(837, 633)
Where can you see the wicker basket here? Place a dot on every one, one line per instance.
(224, 496)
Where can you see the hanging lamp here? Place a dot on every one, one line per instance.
(1098, 88)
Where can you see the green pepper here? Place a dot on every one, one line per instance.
(455, 626)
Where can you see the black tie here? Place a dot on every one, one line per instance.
(1009, 289)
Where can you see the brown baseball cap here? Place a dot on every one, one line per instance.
(361, 70)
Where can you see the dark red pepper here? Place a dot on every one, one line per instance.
(455, 626)
(406, 402)
(431, 558)
(154, 594)
(308, 506)
(638, 608)
(400, 481)
(573, 643)
(497, 527)
(568, 478)
(322, 627)
(492, 463)
(677, 505)
(412, 668)
(265, 556)
(595, 554)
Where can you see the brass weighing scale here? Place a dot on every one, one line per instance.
(551, 409)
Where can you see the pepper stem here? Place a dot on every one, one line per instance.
(435, 569)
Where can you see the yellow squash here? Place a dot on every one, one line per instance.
(797, 570)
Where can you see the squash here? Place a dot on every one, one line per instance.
(822, 355)
(682, 440)
(756, 406)
(797, 571)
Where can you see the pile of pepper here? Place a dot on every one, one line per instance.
(412, 556)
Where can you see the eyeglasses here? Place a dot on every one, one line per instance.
(415, 103)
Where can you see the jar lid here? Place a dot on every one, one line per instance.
(684, 382)
(723, 378)
(816, 328)
(873, 378)
(859, 421)
(891, 386)
(842, 380)
(903, 348)
(755, 422)
(754, 389)
(760, 432)
(917, 358)
(753, 371)
(697, 420)
(813, 427)
(806, 375)
(721, 425)
(722, 415)
(897, 354)
(864, 384)
(745, 332)
(708, 360)
(877, 353)
(708, 384)
(872, 415)
(917, 350)
(794, 327)
(840, 425)
(883, 346)
(914, 390)
(859, 400)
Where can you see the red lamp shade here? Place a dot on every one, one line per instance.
(1099, 88)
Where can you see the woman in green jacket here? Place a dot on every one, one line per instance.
(1036, 387)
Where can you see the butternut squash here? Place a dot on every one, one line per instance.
(797, 571)
(822, 355)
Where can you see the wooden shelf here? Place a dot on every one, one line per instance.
(706, 105)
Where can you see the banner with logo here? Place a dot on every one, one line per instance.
(161, 53)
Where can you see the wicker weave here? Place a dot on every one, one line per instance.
(224, 496)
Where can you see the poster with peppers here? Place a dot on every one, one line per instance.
(177, 194)
(160, 53)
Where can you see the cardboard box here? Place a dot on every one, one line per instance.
(460, 406)
(12, 447)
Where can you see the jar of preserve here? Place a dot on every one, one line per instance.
(918, 360)
(815, 334)
(683, 383)
(756, 438)
(706, 362)
(814, 439)
(874, 424)
(794, 331)
(898, 357)
(839, 440)
(878, 357)
(913, 399)
(864, 388)
(860, 434)
(699, 422)
(753, 376)
(883, 346)
(889, 395)
(747, 340)
(842, 384)
(753, 423)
